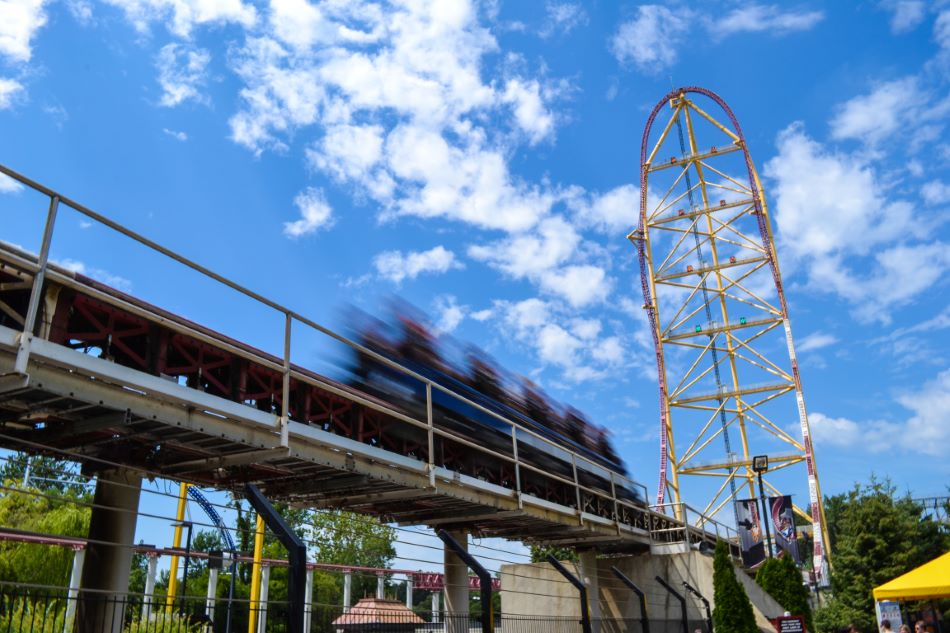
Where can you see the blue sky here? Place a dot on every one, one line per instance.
(481, 160)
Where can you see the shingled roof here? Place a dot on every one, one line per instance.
(377, 611)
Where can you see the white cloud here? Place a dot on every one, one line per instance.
(874, 117)
(348, 151)
(651, 38)
(816, 340)
(178, 136)
(182, 16)
(558, 346)
(182, 72)
(115, 281)
(315, 214)
(530, 113)
(579, 285)
(610, 351)
(396, 266)
(81, 10)
(927, 430)
(562, 17)
(531, 254)
(449, 314)
(611, 212)
(9, 185)
(935, 192)
(906, 15)
(759, 17)
(823, 200)
(10, 91)
(21, 19)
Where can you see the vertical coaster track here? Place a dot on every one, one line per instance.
(717, 311)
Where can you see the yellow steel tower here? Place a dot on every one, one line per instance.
(729, 382)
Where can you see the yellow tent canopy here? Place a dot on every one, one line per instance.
(930, 580)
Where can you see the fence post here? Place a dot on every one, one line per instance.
(695, 592)
(678, 597)
(574, 580)
(484, 578)
(75, 576)
(296, 555)
(644, 620)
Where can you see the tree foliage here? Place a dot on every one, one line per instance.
(539, 554)
(876, 536)
(46, 512)
(733, 611)
(782, 580)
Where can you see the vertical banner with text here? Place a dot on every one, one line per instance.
(783, 526)
(751, 537)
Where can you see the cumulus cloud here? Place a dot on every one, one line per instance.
(579, 285)
(610, 212)
(877, 115)
(182, 16)
(182, 72)
(449, 314)
(315, 214)
(822, 198)
(761, 17)
(935, 192)
(816, 340)
(562, 18)
(906, 15)
(530, 113)
(115, 281)
(651, 38)
(9, 185)
(531, 254)
(397, 266)
(175, 134)
(21, 20)
(10, 91)
(874, 435)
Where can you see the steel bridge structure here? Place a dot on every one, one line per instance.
(729, 382)
(101, 377)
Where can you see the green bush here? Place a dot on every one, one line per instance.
(782, 580)
(23, 615)
(733, 611)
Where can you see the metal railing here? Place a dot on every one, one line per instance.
(42, 268)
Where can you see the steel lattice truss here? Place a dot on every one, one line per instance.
(728, 376)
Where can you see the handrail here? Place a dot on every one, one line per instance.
(291, 371)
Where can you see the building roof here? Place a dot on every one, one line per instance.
(377, 611)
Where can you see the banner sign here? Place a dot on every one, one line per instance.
(783, 526)
(889, 611)
(751, 534)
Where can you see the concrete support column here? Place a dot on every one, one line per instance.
(308, 601)
(347, 590)
(456, 587)
(148, 600)
(262, 614)
(380, 586)
(212, 593)
(75, 577)
(587, 567)
(409, 592)
(105, 574)
(436, 607)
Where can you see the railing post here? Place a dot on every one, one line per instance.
(577, 489)
(514, 450)
(678, 597)
(26, 338)
(574, 580)
(285, 386)
(430, 432)
(644, 620)
(296, 555)
(484, 578)
(75, 577)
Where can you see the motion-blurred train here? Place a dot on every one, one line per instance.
(550, 433)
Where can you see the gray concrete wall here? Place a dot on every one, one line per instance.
(538, 590)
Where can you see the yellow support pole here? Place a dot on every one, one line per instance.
(256, 576)
(176, 543)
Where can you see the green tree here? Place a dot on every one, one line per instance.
(49, 512)
(43, 473)
(782, 580)
(876, 536)
(539, 553)
(733, 610)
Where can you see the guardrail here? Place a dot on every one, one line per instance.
(42, 269)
